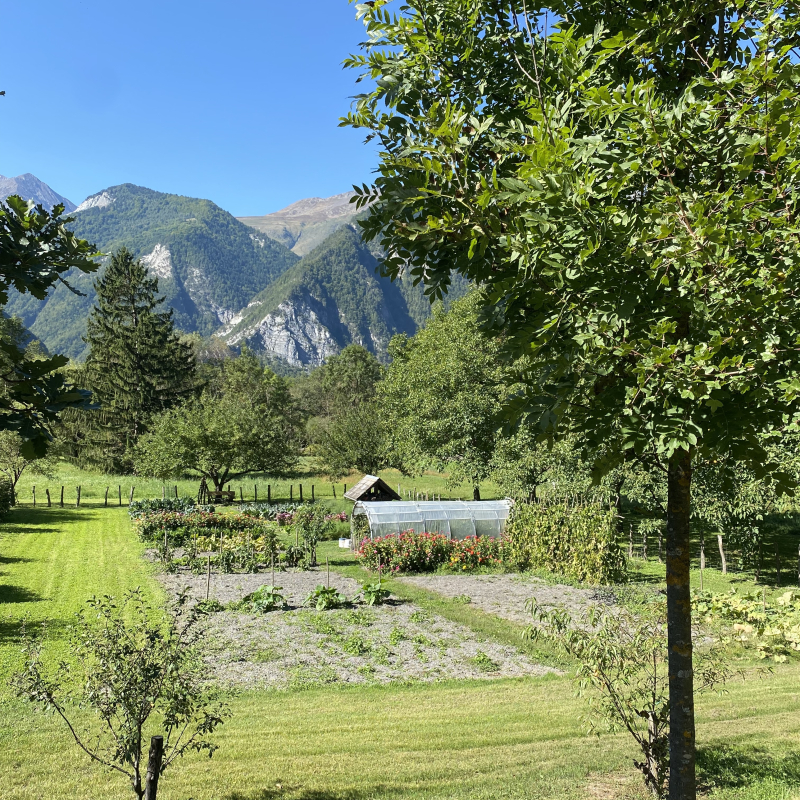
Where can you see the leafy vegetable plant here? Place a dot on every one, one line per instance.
(324, 598)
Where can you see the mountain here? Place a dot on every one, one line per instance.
(305, 224)
(29, 187)
(209, 264)
(329, 299)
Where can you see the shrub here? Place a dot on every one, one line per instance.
(270, 511)
(475, 552)
(312, 526)
(141, 508)
(577, 541)
(425, 552)
(6, 497)
(406, 552)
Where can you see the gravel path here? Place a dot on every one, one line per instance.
(301, 647)
(506, 595)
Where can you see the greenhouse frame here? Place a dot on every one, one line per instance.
(454, 518)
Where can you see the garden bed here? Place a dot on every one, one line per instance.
(506, 595)
(300, 647)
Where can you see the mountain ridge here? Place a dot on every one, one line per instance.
(29, 187)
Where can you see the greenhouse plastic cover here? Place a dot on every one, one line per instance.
(455, 519)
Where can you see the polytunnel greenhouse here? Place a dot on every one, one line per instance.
(454, 519)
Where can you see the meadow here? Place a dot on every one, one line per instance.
(509, 738)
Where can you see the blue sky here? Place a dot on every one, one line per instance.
(233, 101)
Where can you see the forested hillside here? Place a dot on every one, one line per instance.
(208, 264)
(332, 298)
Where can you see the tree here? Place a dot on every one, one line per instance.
(128, 667)
(13, 461)
(347, 380)
(356, 439)
(442, 394)
(36, 251)
(137, 366)
(619, 178)
(245, 422)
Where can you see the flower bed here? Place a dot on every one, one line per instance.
(426, 552)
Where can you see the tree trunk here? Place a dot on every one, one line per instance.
(722, 555)
(682, 784)
(476, 493)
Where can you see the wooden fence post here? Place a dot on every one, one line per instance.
(120, 494)
(153, 767)
(255, 491)
(312, 492)
(78, 500)
(176, 491)
(344, 491)
(241, 494)
(208, 577)
(34, 496)
(163, 492)
(334, 490)
(130, 500)
(47, 492)
(301, 492)
(269, 492)
(291, 492)
(62, 497)
(105, 503)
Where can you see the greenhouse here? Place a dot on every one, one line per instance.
(455, 519)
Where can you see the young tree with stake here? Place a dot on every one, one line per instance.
(621, 179)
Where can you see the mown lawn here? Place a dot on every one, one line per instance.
(489, 739)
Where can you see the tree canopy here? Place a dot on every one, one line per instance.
(620, 178)
(245, 421)
(36, 253)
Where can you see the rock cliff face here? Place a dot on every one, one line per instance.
(329, 299)
(296, 332)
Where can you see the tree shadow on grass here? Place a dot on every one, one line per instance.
(286, 792)
(17, 594)
(11, 630)
(729, 767)
(43, 520)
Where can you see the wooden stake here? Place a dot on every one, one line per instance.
(153, 767)
(301, 492)
(328, 573)
(78, 500)
(130, 500)
(208, 577)
(120, 494)
(312, 492)
(47, 492)
(241, 494)
(255, 491)
(702, 554)
(105, 504)
(62, 497)
(291, 492)
(269, 493)
(34, 497)
(334, 490)
(272, 564)
(163, 492)
(176, 491)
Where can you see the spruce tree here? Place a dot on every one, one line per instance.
(136, 366)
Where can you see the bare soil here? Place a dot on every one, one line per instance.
(303, 647)
(506, 595)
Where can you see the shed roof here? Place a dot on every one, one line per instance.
(367, 484)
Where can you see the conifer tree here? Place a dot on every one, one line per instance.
(136, 367)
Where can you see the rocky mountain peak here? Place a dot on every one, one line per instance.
(29, 187)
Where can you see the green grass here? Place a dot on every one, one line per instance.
(509, 739)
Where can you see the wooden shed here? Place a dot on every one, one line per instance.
(370, 487)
